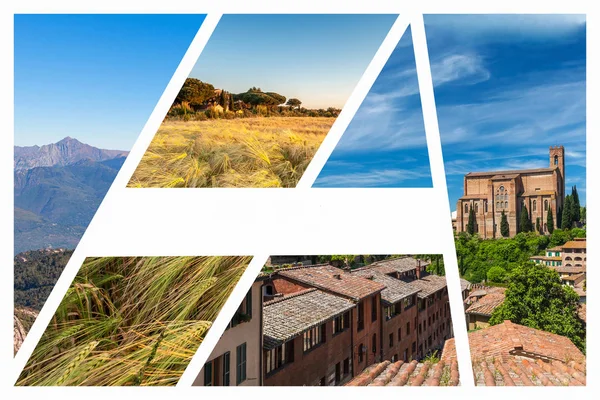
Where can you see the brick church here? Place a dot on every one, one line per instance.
(490, 193)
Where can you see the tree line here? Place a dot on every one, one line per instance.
(199, 100)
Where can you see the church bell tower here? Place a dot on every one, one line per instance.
(557, 160)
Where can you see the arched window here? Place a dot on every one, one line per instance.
(534, 206)
(501, 188)
(485, 207)
(555, 160)
(498, 204)
(466, 208)
(506, 204)
(545, 205)
(545, 228)
(476, 208)
(568, 259)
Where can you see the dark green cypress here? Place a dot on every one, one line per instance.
(504, 227)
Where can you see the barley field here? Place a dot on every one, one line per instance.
(132, 321)
(243, 152)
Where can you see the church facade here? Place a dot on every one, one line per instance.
(491, 193)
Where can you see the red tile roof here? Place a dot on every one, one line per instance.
(335, 280)
(485, 301)
(400, 373)
(575, 244)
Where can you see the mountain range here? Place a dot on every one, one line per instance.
(57, 189)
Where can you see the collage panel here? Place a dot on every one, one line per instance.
(511, 101)
(132, 321)
(253, 115)
(68, 125)
(340, 320)
(385, 144)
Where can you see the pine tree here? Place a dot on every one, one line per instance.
(524, 221)
(567, 214)
(550, 221)
(504, 228)
(575, 210)
(471, 222)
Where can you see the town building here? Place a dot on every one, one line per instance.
(323, 325)
(390, 310)
(489, 194)
(480, 304)
(236, 359)
(570, 261)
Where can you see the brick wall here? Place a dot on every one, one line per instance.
(316, 364)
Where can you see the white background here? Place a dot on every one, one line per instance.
(260, 222)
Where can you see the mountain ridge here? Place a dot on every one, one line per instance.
(64, 152)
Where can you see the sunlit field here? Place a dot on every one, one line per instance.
(244, 152)
(132, 321)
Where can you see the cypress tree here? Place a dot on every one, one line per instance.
(575, 210)
(471, 222)
(504, 228)
(559, 217)
(524, 222)
(550, 221)
(537, 224)
(567, 214)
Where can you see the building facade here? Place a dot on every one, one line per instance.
(236, 359)
(489, 194)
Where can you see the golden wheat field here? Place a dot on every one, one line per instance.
(132, 321)
(245, 152)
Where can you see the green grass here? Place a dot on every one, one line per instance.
(247, 152)
(132, 321)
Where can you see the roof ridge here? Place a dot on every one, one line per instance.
(290, 296)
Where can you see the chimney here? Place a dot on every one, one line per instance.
(338, 276)
(418, 269)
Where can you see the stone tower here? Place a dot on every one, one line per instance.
(557, 160)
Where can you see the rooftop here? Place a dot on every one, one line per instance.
(429, 284)
(533, 193)
(514, 355)
(488, 300)
(332, 279)
(414, 373)
(575, 244)
(400, 264)
(395, 289)
(289, 316)
(507, 339)
(511, 172)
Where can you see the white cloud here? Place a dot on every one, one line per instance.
(375, 178)
(468, 69)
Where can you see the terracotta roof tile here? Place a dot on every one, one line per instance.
(333, 279)
(514, 355)
(400, 264)
(413, 373)
(485, 301)
(429, 284)
(395, 289)
(575, 244)
(289, 316)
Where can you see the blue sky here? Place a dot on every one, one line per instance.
(96, 78)
(507, 87)
(318, 59)
(385, 144)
